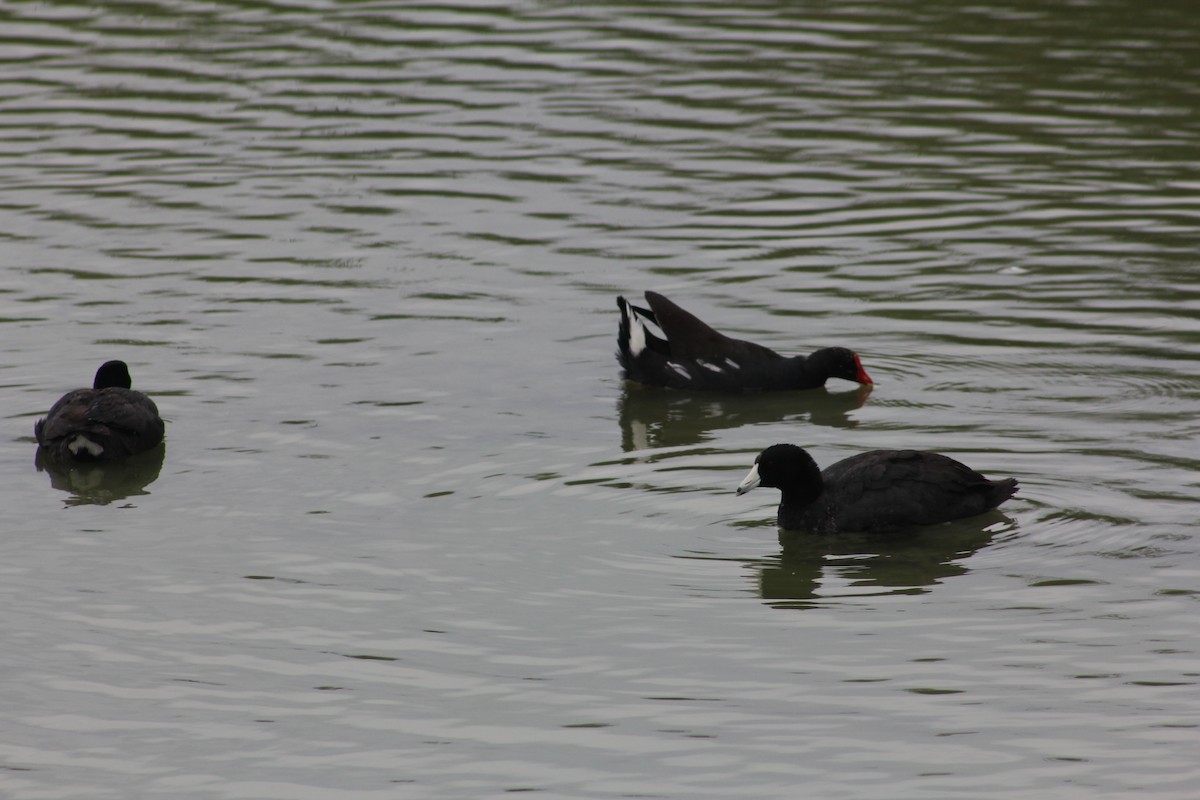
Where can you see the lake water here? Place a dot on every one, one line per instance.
(413, 537)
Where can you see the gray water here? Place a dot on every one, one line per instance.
(413, 537)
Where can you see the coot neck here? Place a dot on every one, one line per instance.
(802, 484)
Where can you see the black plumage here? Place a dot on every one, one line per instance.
(108, 422)
(873, 491)
(691, 355)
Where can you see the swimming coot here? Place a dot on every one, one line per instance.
(873, 491)
(691, 355)
(110, 421)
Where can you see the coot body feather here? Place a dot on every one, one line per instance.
(873, 491)
(108, 422)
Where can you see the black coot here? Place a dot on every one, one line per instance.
(110, 421)
(691, 355)
(873, 491)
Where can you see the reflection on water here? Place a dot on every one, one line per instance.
(812, 567)
(101, 483)
(666, 418)
(373, 248)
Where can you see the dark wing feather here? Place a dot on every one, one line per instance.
(889, 488)
(68, 414)
(123, 421)
(130, 414)
(692, 338)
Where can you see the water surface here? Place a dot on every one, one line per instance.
(412, 536)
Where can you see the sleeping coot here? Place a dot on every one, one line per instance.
(110, 421)
(691, 355)
(873, 491)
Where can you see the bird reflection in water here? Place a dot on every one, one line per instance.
(651, 418)
(103, 482)
(813, 569)
(855, 564)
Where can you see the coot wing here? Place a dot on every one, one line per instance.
(121, 422)
(130, 412)
(891, 488)
(66, 415)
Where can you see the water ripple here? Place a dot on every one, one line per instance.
(412, 536)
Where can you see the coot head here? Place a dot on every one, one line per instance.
(782, 466)
(112, 373)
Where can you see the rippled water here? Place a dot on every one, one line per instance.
(411, 536)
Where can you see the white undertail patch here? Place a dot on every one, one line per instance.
(637, 332)
(81, 442)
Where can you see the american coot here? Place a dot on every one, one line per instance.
(873, 491)
(107, 422)
(691, 355)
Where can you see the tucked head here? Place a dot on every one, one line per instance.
(838, 362)
(112, 373)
